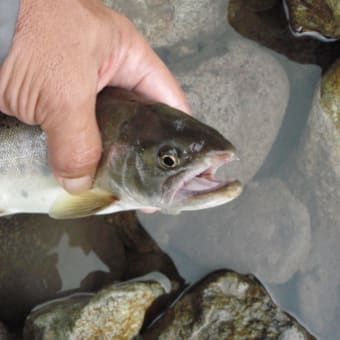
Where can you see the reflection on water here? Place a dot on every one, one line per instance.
(85, 263)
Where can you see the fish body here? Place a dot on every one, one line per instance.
(154, 156)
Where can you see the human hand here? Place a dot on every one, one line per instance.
(63, 53)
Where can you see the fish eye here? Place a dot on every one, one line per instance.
(168, 158)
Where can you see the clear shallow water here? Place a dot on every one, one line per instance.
(284, 241)
(272, 230)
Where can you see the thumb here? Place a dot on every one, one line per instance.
(74, 147)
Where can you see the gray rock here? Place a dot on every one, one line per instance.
(269, 28)
(226, 305)
(318, 286)
(260, 5)
(166, 22)
(116, 312)
(318, 18)
(154, 18)
(317, 159)
(244, 94)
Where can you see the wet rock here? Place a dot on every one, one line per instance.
(226, 305)
(166, 22)
(316, 18)
(270, 28)
(318, 287)
(43, 259)
(317, 160)
(260, 5)
(334, 5)
(266, 232)
(116, 312)
(330, 94)
(244, 94)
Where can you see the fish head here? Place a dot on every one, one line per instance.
(168, 161)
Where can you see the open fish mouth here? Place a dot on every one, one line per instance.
(198, 188)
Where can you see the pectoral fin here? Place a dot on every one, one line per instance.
(81, 205)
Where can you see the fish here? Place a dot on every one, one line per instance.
(154, 157)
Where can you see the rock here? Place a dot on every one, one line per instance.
(317, 160)
(330, 94)
(243, 94)
(314, 177)
(270, 28)
(334, 5)
(165, 22)
(42, 259)
(260, 5)
(318, 287)
(116, 312)
(226, 305)
(316, 18)
(266, 232)
(153, 18)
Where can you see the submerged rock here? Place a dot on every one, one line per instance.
(330, 94)
(270, 28)
(226, 305)
(314, 177)
(116, 312)
(166, 22)
(260, 5)
(153, 18)
(316, 18)
(265, 232)
(43, 259)
(244, 94)
(317, 159)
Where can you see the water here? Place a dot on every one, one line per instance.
(281, 229)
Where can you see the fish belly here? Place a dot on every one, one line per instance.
(27, 195)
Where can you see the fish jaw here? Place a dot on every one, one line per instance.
(198, 188)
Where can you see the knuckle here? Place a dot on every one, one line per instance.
(79, 163)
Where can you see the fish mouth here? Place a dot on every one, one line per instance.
(198, 188)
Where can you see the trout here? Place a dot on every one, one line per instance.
(154, 157)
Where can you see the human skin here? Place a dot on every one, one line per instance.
(63, 53)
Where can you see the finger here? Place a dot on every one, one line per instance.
(158, 83)
(143, 71)
(74, 148)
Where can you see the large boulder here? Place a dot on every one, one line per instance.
(115, 312)
(318, 18)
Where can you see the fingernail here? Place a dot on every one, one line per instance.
(76, 185)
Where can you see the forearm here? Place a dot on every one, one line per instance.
(8, 17)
